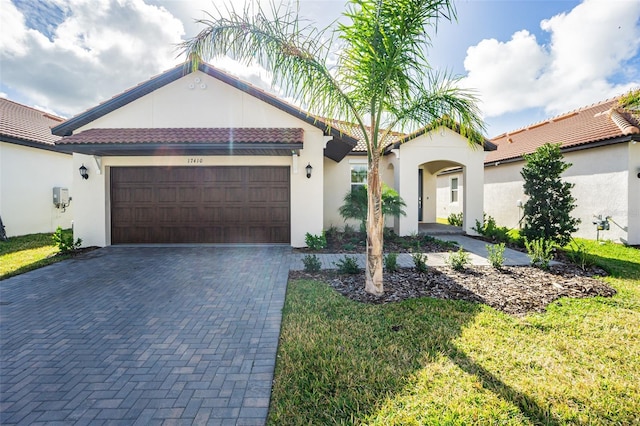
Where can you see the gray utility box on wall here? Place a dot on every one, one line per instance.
(60, 197)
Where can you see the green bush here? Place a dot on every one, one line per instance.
(540, 252)
(455, 219)
(348, 265)
(315, 242)
(491, 230)
(355, 204)
(496, 255)
(547, 211)
(458, 260)
(311, 263)
(391, 262)
(65, 242)
(579, 254)
(419, 261)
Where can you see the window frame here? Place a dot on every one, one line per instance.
(454, 193)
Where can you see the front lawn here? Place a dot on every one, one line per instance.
(430, 361)
(26, 253)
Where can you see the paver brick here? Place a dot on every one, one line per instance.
(143, 335)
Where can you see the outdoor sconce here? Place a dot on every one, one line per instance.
(308, 169)
(84, 172)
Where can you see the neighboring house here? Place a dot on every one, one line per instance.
(30, 167)
(601, 141)
(202, 157)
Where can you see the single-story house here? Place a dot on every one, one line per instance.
(31, 166)
(601, 143)
(199, 156)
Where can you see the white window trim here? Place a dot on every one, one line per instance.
(456, 190)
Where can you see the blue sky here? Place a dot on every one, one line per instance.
(527, 59)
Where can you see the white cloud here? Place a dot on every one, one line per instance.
(99, 49)
(583, 63)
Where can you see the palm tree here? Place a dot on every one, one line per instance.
(380, 80)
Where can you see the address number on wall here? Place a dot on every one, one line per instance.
(194, 160)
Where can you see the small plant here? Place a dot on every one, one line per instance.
(311, 263)
(348, 265)
(496, 255)
(419, 261)
(488, 228)
(540, 252)
(64, 241)
(458, 260)
(579, 254)
(391, 262)
(315, 242)
(455, 219)
(348, 247)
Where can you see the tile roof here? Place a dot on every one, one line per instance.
(354, 131)
(602, 122)
(186, 136)
(25, 125)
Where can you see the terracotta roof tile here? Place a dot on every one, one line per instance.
(27, 124)
(185, 135)
(594, 123)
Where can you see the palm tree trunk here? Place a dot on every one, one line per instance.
(375, 227)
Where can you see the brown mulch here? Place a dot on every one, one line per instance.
(516, 290)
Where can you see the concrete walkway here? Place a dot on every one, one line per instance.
(143, 335)
(476, 248)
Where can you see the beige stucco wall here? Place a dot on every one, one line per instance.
(27, 178)
(337, 182)
(603, 186)
(214, 105)
(444, 205)
(433, 152)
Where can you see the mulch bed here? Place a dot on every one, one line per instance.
(516, 290)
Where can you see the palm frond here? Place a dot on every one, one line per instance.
(294, 53)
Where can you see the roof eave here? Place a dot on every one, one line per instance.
(580, 147)
(142, 149)
(31, 144)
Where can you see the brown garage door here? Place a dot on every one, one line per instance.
(200, 205)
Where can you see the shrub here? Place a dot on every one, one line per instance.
(420, 261)
(64, 241)
(458, 260)
(496, 255)
(455, 219)
(391, 262)
(311, 263)
(491, 230)
(355, 204)
(348, 265)
(315, 242)
(540, 252)
(579, 254)
(547, 212)
(348, 247)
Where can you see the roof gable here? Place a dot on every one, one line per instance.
(337, 148)
(599, 124)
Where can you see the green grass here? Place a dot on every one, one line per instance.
(428, 361)
(26, 253)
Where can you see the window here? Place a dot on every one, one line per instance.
(358, 175)
(454, 190)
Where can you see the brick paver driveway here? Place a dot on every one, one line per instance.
(143, 335)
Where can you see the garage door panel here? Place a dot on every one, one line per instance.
(167, 195)
(200, 205)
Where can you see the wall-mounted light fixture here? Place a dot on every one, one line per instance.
(84, 172)
(308, 169)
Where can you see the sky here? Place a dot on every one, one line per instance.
(527, 60)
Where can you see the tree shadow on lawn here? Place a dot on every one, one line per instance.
(339, 360)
